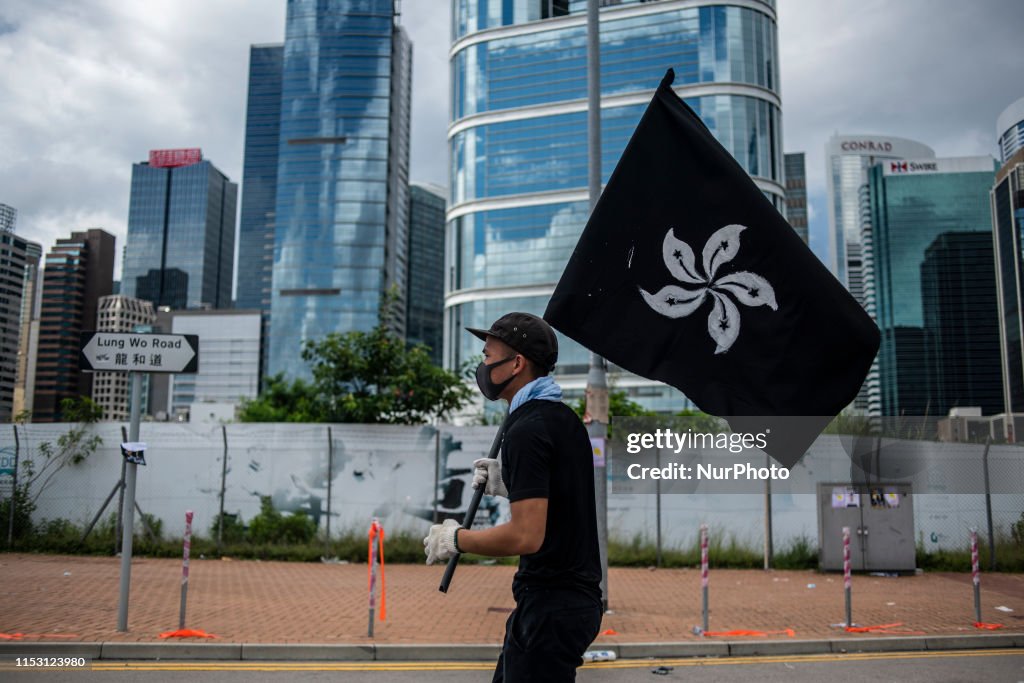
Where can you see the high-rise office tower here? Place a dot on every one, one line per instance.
(259, 177)
(28, 337)
(847, 159)
(77, 272)
(19, 271)
(181, 232)
(1007, 201)
(796, 194)
(259, 186)
(518, 140)
(1010, 130)
(911, 204)
(340, 217)
(425, 287)
(111, 391)
(961, 323)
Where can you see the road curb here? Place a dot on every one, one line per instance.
(489, 652)
(307, 652)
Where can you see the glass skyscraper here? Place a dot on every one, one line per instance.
(917, 209)
(259, 177)
(340, 218)
(181, 232)
(19, 274)
(1010, 130)
(518, 150)
(425, 298)
(961, 330)
(1007, 200)
(848, 158)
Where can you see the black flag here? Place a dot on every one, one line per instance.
(686, 273)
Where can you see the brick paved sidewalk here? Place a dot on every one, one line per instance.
(63, 598)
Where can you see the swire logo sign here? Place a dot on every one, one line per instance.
(913, 167)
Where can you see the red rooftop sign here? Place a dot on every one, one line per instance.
(169, 158)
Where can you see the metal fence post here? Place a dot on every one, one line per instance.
(119, 530)
(975, 576)
(437, 467)
(14, 490)
(223, 485)
(330, 478)
(988, 507)
(769, 550)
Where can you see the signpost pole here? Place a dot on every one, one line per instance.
(597, 378)
(128, 513)
(135, 353)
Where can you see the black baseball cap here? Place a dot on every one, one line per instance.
(527, 334)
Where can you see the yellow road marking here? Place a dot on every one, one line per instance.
(487, 666)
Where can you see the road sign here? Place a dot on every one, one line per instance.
(136, 352)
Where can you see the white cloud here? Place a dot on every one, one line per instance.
(88, 87)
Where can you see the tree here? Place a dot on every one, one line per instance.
(362, 377)
(373, 377)
(72, 447)
(36, 472)
(282, 401)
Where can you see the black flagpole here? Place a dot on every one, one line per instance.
(467, 520)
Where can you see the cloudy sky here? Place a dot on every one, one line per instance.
(89, 86)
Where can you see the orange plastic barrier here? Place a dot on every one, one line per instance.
(376, 530)
(187, 633)
(987, 627)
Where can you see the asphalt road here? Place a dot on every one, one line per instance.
(915, 667)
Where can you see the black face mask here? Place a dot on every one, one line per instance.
(488, 387)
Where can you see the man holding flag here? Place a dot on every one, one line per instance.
(686, 273)
(545, 469)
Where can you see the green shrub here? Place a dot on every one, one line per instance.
(23, 509)
(270, 526)
(233, 531)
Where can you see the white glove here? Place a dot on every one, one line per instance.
(487, 473)
(439, 544)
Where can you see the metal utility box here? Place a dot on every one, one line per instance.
(881, 521)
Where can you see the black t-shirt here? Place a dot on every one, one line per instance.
(546, 453)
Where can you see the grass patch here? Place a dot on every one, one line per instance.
(722, 554)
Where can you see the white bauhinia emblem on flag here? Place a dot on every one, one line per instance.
(677, 302)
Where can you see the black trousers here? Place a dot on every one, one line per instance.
(546, 636)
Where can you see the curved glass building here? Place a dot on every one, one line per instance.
(341, 210)
(1010, 129)
(518, 138)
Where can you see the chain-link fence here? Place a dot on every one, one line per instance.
(312, 485)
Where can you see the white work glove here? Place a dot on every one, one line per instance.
(487, 473)
(439, 544)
